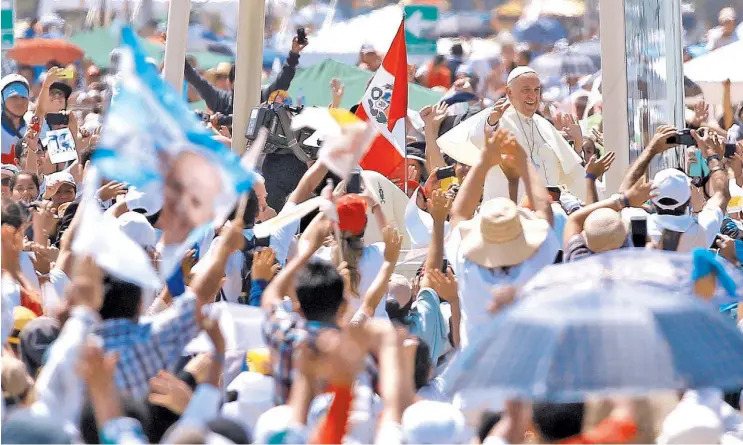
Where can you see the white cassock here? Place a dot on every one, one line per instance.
(554, 159)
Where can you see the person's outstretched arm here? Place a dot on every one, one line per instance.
(285, 77)
(378, 289)
(656, 146)
(215, 98)
(470, 193)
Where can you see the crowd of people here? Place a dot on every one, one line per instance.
(351, 347)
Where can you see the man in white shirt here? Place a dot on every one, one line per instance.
(673, 192)
(502, 245)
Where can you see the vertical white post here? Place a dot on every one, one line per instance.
(248, 67)
(614, 88)
(175, 44)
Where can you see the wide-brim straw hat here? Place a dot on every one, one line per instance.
(502, 235)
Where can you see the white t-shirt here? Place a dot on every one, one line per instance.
(476, 282)
(371, 262)
(699, 232)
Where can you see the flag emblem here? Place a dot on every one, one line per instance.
(379, 103)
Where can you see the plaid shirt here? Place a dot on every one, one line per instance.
(282, 330)
(152, 344)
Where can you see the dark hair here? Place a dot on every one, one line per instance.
(439, 59)
(558, 421)
(319, 291)
(488, 420)
(229, 429)
(121, 299)
(396, 312)
(14, 214)
(34, 177)
(457, 50)
(251, 210)
(130, 407)
(232, 74)
(85, 155)
(423, 365)
(676, 211)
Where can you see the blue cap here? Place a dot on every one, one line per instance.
(15, 89)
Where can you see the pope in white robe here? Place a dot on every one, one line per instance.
(552, 156)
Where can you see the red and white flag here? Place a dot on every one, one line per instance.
(385, 105)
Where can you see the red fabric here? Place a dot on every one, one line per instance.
(610, 430)
(333, 427)
(383, 155)
(439, 76)
(9, 158)
(31, 303)
(351, 213)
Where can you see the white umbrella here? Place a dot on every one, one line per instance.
(711, 69)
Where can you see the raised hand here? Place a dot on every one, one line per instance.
(336, 89)
(439, 205)
(264, 265)
(170, 392)
(499, 108)
(111, 190)
(639, 193)
(444, 285)
(86, 284)
(709, 142)
(701, 114)
(392, 244)
(598, 167)
(96, 368)
(659, 143)
(513, 158)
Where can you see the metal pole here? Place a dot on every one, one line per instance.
(614, 87)
(248, 67)
(175, 44)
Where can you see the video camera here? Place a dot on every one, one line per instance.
(277, 119)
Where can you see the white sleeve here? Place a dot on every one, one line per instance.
(53, 292)
(281, 238)
(59, 387)
(451, 249)
(710, 220)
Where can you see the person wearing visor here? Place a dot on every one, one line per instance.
(15, 95)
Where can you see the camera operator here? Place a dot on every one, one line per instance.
(220, 101)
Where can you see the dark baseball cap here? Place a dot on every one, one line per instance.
(36, 337)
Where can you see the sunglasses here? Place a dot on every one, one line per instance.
(6, 182)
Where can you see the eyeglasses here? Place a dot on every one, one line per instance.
(56, 94)
(6, 182)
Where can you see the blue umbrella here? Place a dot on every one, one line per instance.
(590, 48)
(599, 334)
(544, 31)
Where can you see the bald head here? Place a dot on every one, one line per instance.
(524, 92)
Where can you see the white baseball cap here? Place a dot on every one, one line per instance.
(149, 201)
(671, 184)
(135, 226)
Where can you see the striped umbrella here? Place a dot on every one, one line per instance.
(596, 333)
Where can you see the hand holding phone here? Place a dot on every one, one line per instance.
(354, 182)
(67, 73)
(682, 137)
(669, 240)
(301, 36)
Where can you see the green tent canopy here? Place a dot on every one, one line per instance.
(98, 44)
(313, 84)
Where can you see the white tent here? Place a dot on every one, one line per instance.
(711, 69)
(342, 41)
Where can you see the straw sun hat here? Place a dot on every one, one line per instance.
(502, 235)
